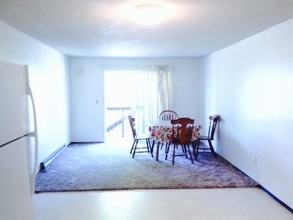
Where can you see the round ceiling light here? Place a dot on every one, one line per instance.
(148, 14)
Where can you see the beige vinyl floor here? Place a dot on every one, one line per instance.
(199, 204)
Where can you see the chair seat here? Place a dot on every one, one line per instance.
(203, 138)
(143, 137)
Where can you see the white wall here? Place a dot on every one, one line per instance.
(86, 80)
(250, 84)
(49, 81)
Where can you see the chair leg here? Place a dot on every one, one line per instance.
(185, 150)
(167, 148)
(188, 147)
(149, 147)
(135, 146)
(212, 149)
(197, 148)
(194, 144)
(147, 144)
(132, 147)
(173, 156)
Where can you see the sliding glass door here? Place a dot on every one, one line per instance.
(143, 92)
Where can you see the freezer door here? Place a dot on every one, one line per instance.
(16, 198)
(13, 109)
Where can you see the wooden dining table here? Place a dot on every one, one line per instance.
(161, 133)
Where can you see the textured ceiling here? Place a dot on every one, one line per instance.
(104, 28)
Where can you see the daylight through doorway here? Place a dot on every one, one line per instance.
(120, 101)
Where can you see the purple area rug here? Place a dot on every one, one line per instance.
(86, 167)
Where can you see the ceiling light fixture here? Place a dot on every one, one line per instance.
(148, 14)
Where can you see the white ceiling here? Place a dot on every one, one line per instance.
(104, 28)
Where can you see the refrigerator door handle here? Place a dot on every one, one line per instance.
(33, 134)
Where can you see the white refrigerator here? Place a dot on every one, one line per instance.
(18, 143)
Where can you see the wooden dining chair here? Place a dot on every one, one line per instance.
(181, 136)
(136, 148)
(200, 146)
(168, 115)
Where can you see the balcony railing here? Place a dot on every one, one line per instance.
(117, 120)
(116, 117)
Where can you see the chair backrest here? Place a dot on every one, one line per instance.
(132, 125)
(213, 124)
(182, 130)
(168, 115)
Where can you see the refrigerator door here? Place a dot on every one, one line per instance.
(15, 190)
(15, 200)
(13, 110)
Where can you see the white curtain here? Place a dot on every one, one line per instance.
(154, 92)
